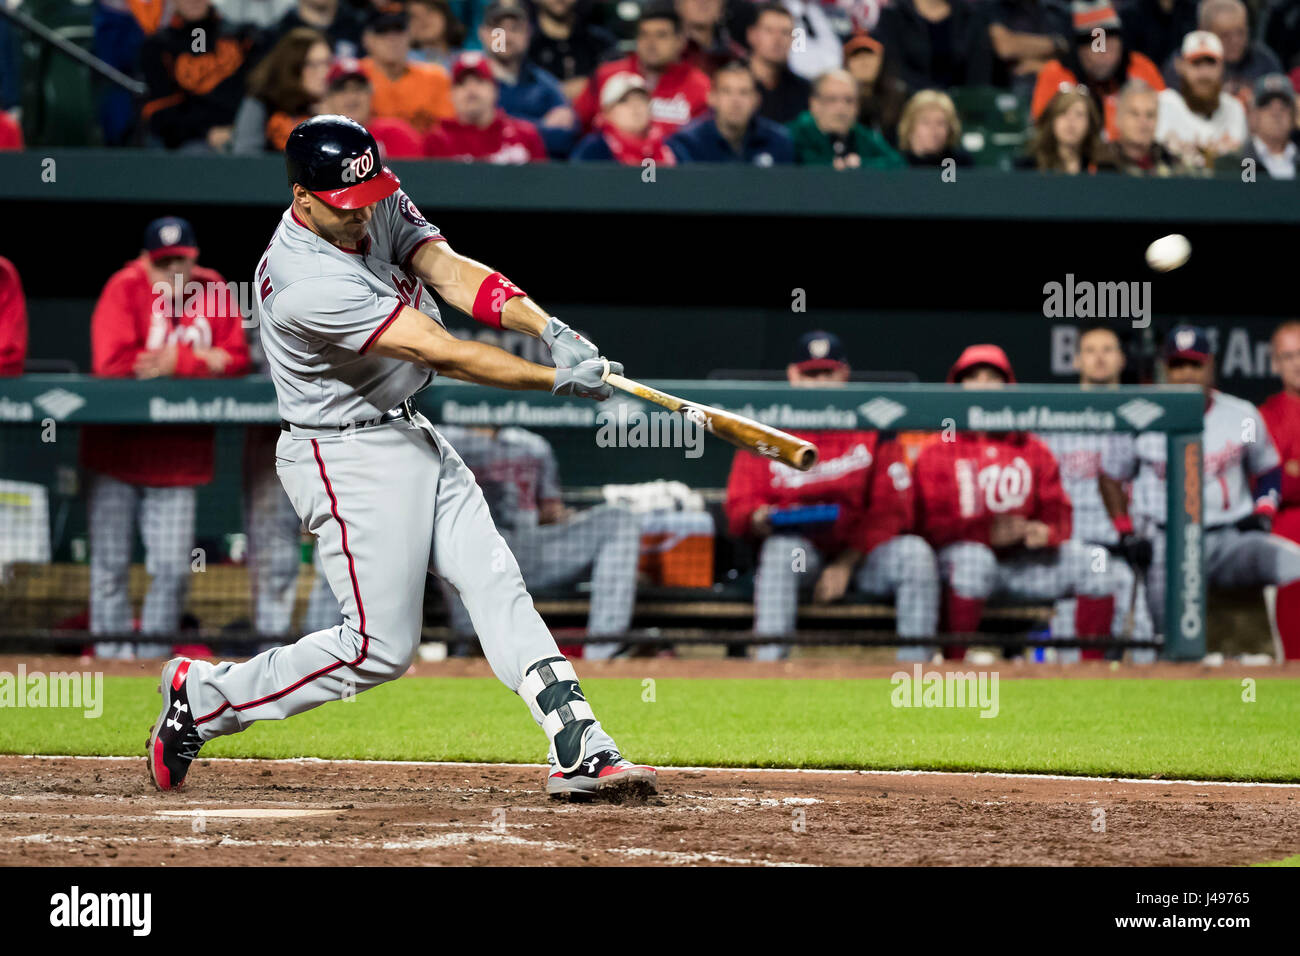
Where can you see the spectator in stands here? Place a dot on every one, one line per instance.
(1103, 63)
(624, 132)
(340, 23)
(1281, 32)
(1199, 121)
(524, 90)
(1281, 414)
(783, 93)
(929, 132)
(821, 48)
(120, 28)
(567, 45)
(938, 44)
(678, 91)
(193, 95)
(554, 545)
(1067, 137)
(1272, 125)
(1155, 28)
(881, 94)
(480, 130)
(708, 44)
(349, 95)
(419, 93)
(828, 133)
(283, 90)
(1026, 35)
(1136, 151)
(992, 506)
(262, 14)
(160, 316)
(1244, 60)
(841, 524)
(436, 35)
(13, 320)
(734, 133)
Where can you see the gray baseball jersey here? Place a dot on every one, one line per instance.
(323, 307)
(1079, 455)
(515, 468)
(1237, 447)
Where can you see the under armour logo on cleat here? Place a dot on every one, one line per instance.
(591, 764)
(172, 722)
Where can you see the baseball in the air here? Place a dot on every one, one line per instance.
(1168, 253)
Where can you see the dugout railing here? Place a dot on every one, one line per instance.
(43, 548)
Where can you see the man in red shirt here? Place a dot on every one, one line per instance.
(481, 131)
(13, 320)
(1281, 413)
(992, 506)
(678, 91)
(160, 316)
(841, 521)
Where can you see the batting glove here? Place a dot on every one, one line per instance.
(1136, 551)
(586, 379)
(568, 348)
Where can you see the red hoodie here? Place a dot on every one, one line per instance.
(125, 323)
(681, 94)
(855, 470)
(1281, 414)
(505, 141)
(962, 484)
(13, 320)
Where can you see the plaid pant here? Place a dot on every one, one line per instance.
(166, 522)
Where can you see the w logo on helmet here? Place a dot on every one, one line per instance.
(358, 168)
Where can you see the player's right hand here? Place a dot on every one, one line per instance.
(568, 348)
(1136, 550)
(586, 379)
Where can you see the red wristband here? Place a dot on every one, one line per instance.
(492, 297)
(1124, 524)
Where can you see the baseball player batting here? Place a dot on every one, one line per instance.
(350, 335)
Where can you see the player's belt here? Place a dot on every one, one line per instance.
(403, 412)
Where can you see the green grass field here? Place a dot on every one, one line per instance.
(1186, 729)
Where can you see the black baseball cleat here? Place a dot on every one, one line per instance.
(174, 742)
(607, 774)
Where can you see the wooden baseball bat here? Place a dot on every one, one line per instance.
(736, 429)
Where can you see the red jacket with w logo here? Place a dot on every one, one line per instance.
(962, 485)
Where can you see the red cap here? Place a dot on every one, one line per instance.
(468, 63)
(982, 355)
(345, 67)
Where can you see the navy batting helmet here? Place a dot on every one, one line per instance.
(337, 160)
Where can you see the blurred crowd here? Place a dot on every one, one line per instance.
(1146, 87)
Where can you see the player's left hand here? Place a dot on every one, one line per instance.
(568, 348)
(586, 379)
(1256, 522)
(832, 583)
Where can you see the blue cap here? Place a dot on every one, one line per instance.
(1188, 342)
(818, 350)
(170, 236)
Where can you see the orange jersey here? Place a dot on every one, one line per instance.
(1054, 77)
(421, 96)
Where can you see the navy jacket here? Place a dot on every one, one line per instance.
(765, 144)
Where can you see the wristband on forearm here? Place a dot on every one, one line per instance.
(1123, 524)
(493, 294)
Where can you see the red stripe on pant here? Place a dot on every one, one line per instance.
(356, 592)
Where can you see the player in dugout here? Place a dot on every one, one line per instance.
(992, 506)
(843, 522)
(162, 315)
(1282, 415)
(1241, 484)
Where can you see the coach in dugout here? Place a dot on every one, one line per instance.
(1282, 415)
(162, 315)
(841, 522)
(992, 506)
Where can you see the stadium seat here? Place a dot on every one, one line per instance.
(57, 96)
(994, 123)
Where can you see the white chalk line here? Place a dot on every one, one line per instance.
(971, 774)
